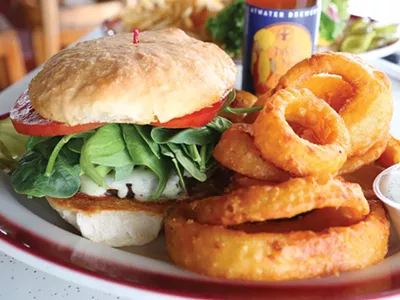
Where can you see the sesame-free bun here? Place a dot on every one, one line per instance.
(110, 220)
(166, 75)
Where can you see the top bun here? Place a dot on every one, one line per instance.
(166, 75)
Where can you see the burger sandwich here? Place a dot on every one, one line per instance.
(120, 126)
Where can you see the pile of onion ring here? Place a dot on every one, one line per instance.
(296, 206)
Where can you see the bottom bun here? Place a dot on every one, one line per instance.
(110, 220)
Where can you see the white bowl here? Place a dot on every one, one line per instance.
(387, 188)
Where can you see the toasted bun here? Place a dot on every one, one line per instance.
(166, 75)
(110, 220)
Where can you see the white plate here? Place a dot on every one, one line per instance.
(373, 54)
(381, 52)
(33, 233)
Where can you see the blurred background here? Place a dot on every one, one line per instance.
(31, 31)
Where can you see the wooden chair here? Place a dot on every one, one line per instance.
(12, 65)
(56, 25)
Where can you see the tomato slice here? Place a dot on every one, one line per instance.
(27, 121)
(197, 119)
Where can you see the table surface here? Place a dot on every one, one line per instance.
(20, 281)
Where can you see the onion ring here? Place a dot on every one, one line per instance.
(229, 253)
(271, 227)
(367, 115)
(332, 88)
(284, 200)
(279, 144)
(391, 155)
(236, 151)
(357, 162)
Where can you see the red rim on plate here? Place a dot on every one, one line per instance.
(129, 276)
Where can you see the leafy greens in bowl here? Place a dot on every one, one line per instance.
(12, 146)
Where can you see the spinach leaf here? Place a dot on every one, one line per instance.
(207, 161)
(209, 152)
(166, 151)
(77, 140)
(123, 172)
(103, 170)
(203, 155)
(219, 124)
(141, 154)
(243, 110)
(193, 152)
(106, 142)
(64, 181)
(46, 148)
(84, 135)
(75, 145)
(197, 136)
(29, 177)
(186, 149)
(34, 140)
(145, 132)
(31, 165)
(119, 159)
(71, 157)
(55, 153)
(187, 163)
(88, 167)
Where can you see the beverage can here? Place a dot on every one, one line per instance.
(275, 40)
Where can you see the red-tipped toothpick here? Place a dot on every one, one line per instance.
(136, 36)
